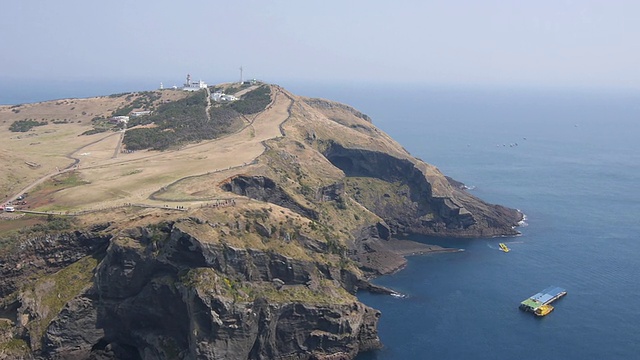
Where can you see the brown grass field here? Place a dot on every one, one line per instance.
(41, 160)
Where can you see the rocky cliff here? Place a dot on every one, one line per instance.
(195, 287)
(262, 263)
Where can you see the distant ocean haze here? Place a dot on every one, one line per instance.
(14, 92)
(574, 172)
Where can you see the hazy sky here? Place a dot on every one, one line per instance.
(477, 42)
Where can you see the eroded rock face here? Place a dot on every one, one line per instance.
(45, 254)
(74, 332)
(404, 198)
(264, 189)
(183, 298)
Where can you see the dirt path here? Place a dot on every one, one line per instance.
(244, 91)
(132, 178)
(208, 109)
(71, 167)
(116, 151)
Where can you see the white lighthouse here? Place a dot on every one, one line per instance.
(193, 85)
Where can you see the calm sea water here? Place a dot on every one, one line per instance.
(575, 172)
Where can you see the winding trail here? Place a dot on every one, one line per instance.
(147, 173)
(71, 167)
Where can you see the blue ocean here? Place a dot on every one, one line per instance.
(569, 160)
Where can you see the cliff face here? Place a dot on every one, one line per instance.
(41, 254)
(179, 290)
(268, 273)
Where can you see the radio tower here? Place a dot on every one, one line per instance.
(240, 74)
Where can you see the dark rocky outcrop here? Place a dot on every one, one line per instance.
(264, 189)
(404, 198)
(179, 297)
(44, 253)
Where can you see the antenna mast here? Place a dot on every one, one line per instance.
(240, 74)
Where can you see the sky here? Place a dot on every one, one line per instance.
(542, 43)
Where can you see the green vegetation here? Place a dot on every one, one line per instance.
(371, 191)
(254, 101)
(25, 125)
(179, 122)
(153, 138)
(189, 109)
(101, 125)
(182, 121)
(233, 88)
(14, 348)
(144, 100)
(59, 182)
(327, 294)
(213, 282)
(54, 291)
(35, 225)
(53, 223)
(137, 100)
(67, 180)
(96, 131)
(115, 96)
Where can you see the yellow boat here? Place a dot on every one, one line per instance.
(504, 247)
(543, 310)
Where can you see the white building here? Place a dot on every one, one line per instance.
(120, 119)
(140, 113)
(219, 96)
(193, 85)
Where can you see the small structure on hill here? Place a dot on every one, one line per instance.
(119, 119)
(219, 96)
(140, 113)
(193, 85)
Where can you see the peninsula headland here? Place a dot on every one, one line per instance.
(234, 221)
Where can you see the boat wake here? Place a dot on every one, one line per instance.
(398, 295)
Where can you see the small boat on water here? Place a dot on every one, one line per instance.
(504, 247)
(540, 303)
